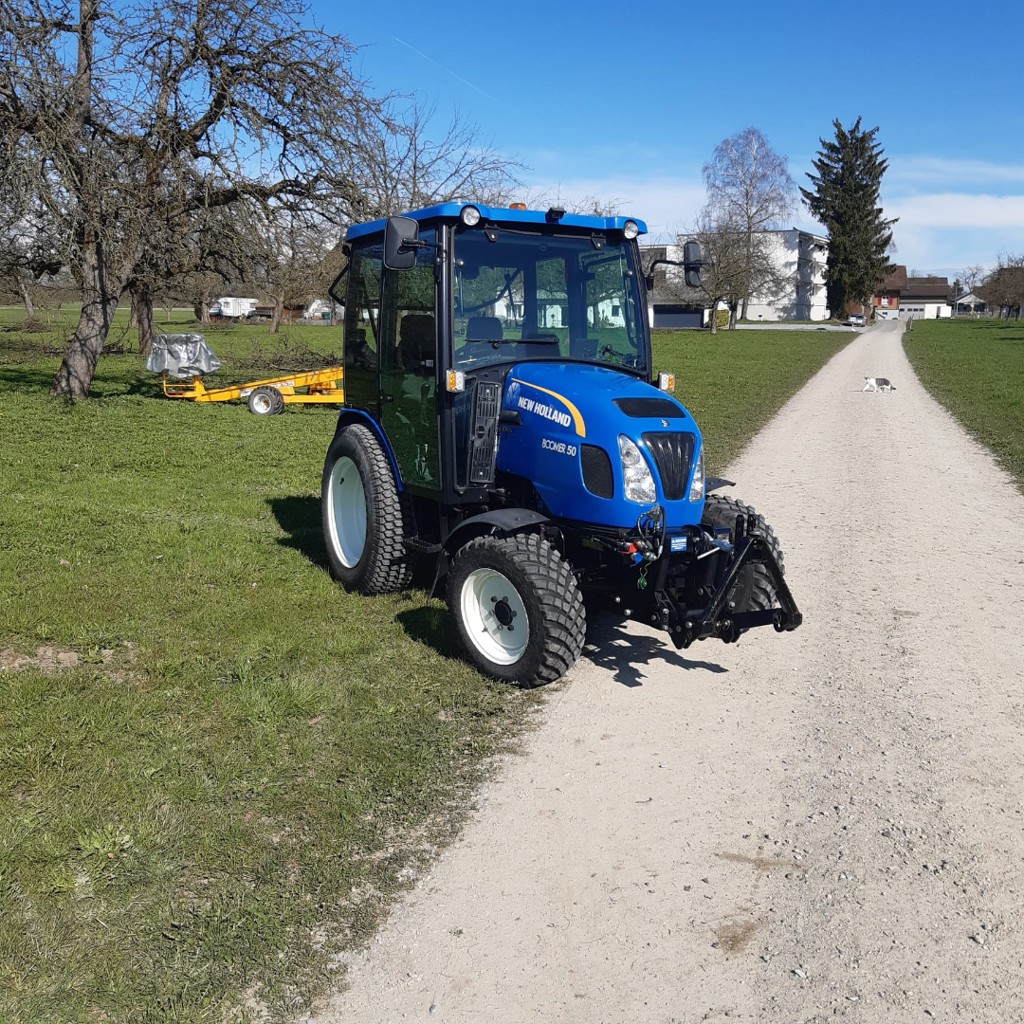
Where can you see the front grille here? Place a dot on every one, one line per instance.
(597, 471)
(672, 454)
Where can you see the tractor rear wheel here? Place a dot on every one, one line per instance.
(517, 608)
(754, 590)
(364, 515)
(266, 401)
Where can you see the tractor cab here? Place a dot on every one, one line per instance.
(452, 297)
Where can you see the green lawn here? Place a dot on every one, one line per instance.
(733, 382)
(975, 368)
(241, 763)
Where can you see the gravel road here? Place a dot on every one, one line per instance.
(821, 825)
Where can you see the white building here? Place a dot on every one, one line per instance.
(800, 259)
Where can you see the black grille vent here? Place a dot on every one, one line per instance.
(645, 408)
(597, 471)
(672, 454)
(483, 442)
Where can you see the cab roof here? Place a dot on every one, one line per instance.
(500, 215)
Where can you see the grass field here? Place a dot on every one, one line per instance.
(975, 368)
(216, 765)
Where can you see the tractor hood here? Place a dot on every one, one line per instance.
(561, 429)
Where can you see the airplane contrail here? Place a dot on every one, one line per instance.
(447, 71)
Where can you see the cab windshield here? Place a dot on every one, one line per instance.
(530, 296)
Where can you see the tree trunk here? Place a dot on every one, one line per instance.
(99, 303)
(277, 315)
(26, 293)
(142, 310)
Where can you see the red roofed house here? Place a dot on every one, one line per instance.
(924, 298)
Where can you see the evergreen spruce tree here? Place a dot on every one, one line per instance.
(844, 198)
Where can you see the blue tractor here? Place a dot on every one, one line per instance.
(502, 420)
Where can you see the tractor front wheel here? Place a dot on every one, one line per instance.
(517, 608)
(364, 515)
(753, 590)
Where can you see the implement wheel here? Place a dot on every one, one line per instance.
(266, 401)
(753, 590)
(517, 608)
(364, 515)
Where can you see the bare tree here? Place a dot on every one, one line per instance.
(289, 269)
(1003, 289)
(749, 190)
(401, 166)
(724, 273)
(589, 204)
(30, 248)
(145, 115)
(971, 276)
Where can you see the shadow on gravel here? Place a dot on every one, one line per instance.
(611, 646)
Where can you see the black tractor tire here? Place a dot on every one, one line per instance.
(265, 401)
(753, 590)
(365, 517)
(517, 608)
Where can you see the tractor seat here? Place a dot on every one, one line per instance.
(416, 343)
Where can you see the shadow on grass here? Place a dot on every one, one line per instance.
(299, 517)
(432, 627)
(611, 646)
(145, 387)
(26, 380)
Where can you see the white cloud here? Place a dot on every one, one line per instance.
(956, 209)
(667, 205)
(913, 170)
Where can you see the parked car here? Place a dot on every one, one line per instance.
(855, 320)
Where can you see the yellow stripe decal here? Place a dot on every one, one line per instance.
(577, 419)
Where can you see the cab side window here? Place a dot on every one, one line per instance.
(362, 326)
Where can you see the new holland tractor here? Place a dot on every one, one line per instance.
(503, 421)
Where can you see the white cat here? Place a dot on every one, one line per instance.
(877, 384)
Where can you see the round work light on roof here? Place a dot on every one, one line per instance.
(470, 216)
(630, 229)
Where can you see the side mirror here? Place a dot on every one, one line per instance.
(401, 238)
(692, 263)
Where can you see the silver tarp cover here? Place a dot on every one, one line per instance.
(181, 355)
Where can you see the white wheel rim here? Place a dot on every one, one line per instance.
(495, 616)
(261, 404)
(347, 512)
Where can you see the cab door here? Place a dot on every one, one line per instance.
(408, 367)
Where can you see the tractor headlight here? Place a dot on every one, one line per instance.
(697, 483)
(636, 474)
(630, 229)
(470, 216)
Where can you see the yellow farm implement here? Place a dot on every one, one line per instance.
(187, 356)
(267, 397)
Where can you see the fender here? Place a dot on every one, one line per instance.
(348, 416)
(503, 521)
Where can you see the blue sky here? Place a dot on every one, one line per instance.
(627, 101)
